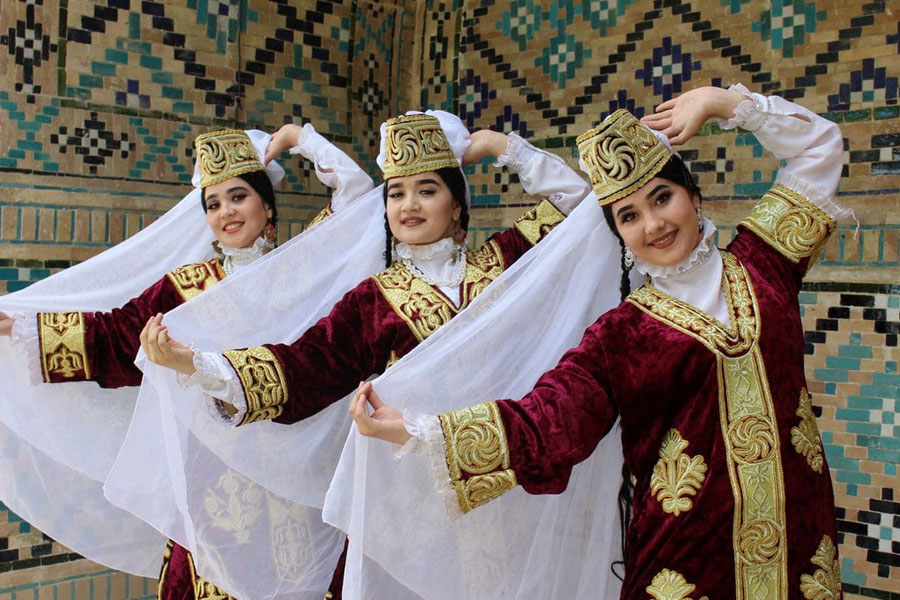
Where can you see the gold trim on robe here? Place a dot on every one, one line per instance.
(422, 306)
(323, 214)
(203, 588)
(191, 280)
(671, 585)
(805, 435)
(475, 446)
(164, 569)
(676, 475)
(790, 223)
(825, 582)
(539, 221)
(263, 381)
(62, 342)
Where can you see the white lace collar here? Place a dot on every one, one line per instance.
(697, 257)
(244, 255)
(441, 263)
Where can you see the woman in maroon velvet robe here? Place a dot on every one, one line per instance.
(241, 211)
(703, 365)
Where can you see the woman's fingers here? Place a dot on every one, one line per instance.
(668, 104)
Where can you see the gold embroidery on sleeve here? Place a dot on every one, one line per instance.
(323, 214)
(790, 223)
(475, 444)
(676, 475)
(825, 582)
(265, 386)
(191, 280)
(671, 585)
(805, 435)
(62, 343)
(539, 221)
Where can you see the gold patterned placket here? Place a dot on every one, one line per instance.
(754, 465)
(825, 582)
(323, 214)
(539, 221)
(671, 585)
(790, 223)
(191, 280)
(63, 349)
(263, 381)
(805, 435)
(676, 475)
(475, 444)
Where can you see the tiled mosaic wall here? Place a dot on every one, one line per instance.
(99, 101)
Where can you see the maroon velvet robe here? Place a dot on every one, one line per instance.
(732, 496)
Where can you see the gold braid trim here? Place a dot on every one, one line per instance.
(265, 386)
(164, 569)
(62, 342)
(825, 582)
(790, 223)
(224, 154)
(475, 446)
(805, 435)
(676, 474)
(414, 144)
(539, 221)
(670, 585)
(323, 214)
(203, 588)
(191, 280)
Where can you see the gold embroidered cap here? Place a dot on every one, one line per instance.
(415, 144)
(620, 155)
(225, 154)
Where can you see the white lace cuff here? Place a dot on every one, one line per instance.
(751, 114)
(24, 335)
(428, 440)
(518, 152)
(217, 379)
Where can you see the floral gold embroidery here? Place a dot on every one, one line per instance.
(265, 386)
(790, 223)
(475, 445)
(207, 590)
(191, 280)
(676, 475)
(539, 221)
(825, 582)
(693, 322)
(62, 344)
(323, 214)
(805, 435)
(671, 585)
(237, 508)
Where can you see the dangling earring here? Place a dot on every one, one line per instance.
(217, 248)
(459, 236)
(700, 219)
(270, 234)
(629, 258)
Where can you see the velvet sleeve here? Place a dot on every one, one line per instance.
(533, 442)
(290, 382)
(101, 346)
(528, 230)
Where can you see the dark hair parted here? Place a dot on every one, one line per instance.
(677, 172)
(454, 179)
(262, 185)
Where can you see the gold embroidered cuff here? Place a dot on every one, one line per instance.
(263, 381)
(790, 223)
(539, 221)
(477, 454)
(323, 214)
(191, 280)
(62, 341)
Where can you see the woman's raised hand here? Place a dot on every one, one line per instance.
(484, 143)
(6, 324)
(286, 137)
(163, 350)
(682, 116)
(384, 423)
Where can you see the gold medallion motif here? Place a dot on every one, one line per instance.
(671, 585)
(676, 475)
(805, 435)
(192, 280)
(224, 154)
(475, 444)
(825, 582)
(62, 342)
(790, 223)
(539, 221)
(415, 144)
(263, 381)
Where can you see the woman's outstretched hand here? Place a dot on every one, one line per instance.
(163, 350)
(485, 142)
(286, 137)
(6, 324)
(384, 423)
(682, 116)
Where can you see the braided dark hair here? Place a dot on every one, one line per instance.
(262, 185)
(454, 179)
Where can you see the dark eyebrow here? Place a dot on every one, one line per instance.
(427, 181)
(396, 184)
(238, 188)
(623, 209)
(653, 192)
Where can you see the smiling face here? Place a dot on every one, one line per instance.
(659, 222)
(420, 208)
(236, 212)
